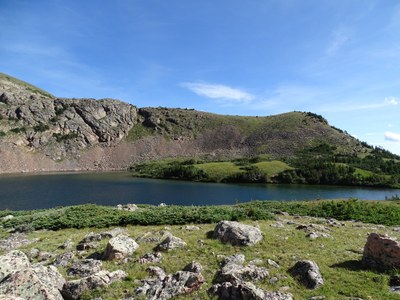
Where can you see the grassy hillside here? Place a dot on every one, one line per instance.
(29, 87)
(338, 256)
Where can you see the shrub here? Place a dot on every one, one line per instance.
(41, 127)
(18, 130)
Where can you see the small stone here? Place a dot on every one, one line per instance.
(273, 263)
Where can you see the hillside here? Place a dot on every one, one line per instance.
(40, 132)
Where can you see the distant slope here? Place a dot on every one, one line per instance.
(40, 132)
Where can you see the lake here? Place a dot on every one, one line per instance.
(20, 192)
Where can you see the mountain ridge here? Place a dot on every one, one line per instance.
(40, 132)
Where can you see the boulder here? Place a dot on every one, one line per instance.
(63, 259)
(237, 234)
(381, 252)
(168, 286)
(308, 274)
(42, 283)
(234, 271)
(15, 241)
(85, 268)
(75, 288)
(119, 247)
(244, 291)
(169, 243)
(153, 257)
(66, 245)
(11, 262)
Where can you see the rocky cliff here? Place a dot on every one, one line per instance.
(40, 132)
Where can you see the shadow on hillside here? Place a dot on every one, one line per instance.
(351, 265)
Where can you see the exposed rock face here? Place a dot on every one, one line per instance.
(45, 133)
(169, 243)
(237, 234)
(73, 289)
(15, 241)
(381, 252)
(308, 273)
(168, 286)
(119, 247)
(244, 291)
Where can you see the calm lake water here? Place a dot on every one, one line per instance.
(19, 192)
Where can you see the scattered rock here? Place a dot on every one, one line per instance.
(157, 272)
(334, 223)
(191, 228)
(15, 240)
(237, 234)
(169, 243)
(85, 268)
(152, 237)
(73, 289)
(63, 259)
(308, 273)
(119, 247)
(234, 271)
(194, 267)
(8, 217)
(11, 262)
(66, 245)
(244, 291)
(381, 252)
(273, 263)
(168, 286)
(128, 207)
(154, 257)
(314, 235)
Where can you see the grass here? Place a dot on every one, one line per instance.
(217, 171)
(272, 167)
(338, 258)
(137, 132)
(28, 86)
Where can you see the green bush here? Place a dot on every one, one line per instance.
(65, 137)
(41, 127)
(19, 130)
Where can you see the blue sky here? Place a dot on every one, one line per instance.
(338, 58)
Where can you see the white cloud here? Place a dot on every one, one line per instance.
(392, 100)
(391, 136)
(339, 38)
(227, 94)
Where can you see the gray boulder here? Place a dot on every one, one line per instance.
(234, 271)
(75, 288)
(42, 283)
(308, 274)
(237, 234)
(153, 257)
(381, 252)
(63, 259)
(85, 268)
(168, 286)
(11, 262)
(244, 291)
(119, 247)
(169, 243)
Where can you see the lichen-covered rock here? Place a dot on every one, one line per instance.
(119, 247)
(39, 283)
(194, 267)
(234, 271)
(11, 262)
(63, 259)
(153, 257)
(244, 291)
(85, 267)
(168, 286)
(75, 288)
(169, 243)
(237, 234)
(15, 241)
(381, 252)
(308, 274)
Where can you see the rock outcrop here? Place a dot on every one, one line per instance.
(237, 234)
(381, 252)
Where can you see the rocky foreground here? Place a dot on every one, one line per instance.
(288, 258)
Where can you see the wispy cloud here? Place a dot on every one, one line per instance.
(339, 38)
(391, 136)
(392, 100)
(224, 93)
